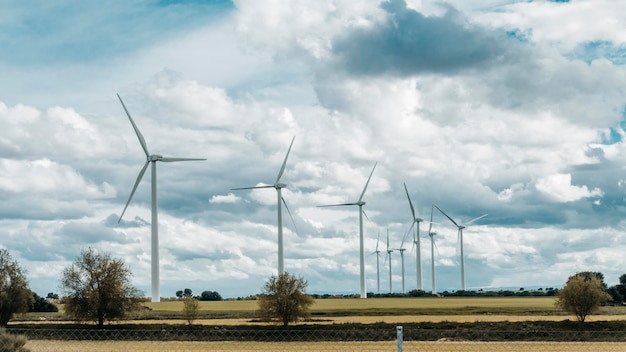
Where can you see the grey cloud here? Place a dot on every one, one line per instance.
(410, 43)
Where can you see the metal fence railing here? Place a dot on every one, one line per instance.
(327, 339)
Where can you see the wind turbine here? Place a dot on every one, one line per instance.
(416, 241)
(401, 250)
(460, 235)
(389, 250)
(278, 186)
(150, 159)
(432, 251)
(360, 203)
(377, 252)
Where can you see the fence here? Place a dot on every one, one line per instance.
(329, 339)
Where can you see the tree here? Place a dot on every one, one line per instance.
(284, 298)
(15, 296)
(210, 296)
(98, 288)
(40, 304)
(582, 295)
(190, 309)
(184, 293)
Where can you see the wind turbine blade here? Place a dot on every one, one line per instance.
(364, 213)
(139, 177)
(475, 219)
(410, 203)
(367, 183)
(454, 222)
(142, 141)
(430, 226)
(335, 205)
(239, 189)
(292, 220)
(377, 240)
(409, 231)
(282, 168)
(169, 160)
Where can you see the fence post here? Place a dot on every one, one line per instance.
(399, 337)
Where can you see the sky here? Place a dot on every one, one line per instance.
(515, 109)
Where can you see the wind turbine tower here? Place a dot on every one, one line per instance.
(377, 252)
(460, 228)
(432, 234)
(278, 186)
(401, 250)
(360, 203)
(416, 241)
(389, 250)
(151, 159)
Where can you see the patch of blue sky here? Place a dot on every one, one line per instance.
(594, 50)
(517, 34)
(614, 135)
(76, 31)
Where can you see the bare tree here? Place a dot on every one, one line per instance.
(15, 296)
(98, 288)
(284, 298)
(190, 309)
(582, 295)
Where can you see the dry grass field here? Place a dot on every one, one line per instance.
(371, 310)
(439, 346)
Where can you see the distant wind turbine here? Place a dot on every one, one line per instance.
(432, 251)
(460, 235)
(401, 250)
(377, 252)
(389, 251)
(278, 186)
(416, 241)
(151, 158)
(360, 203)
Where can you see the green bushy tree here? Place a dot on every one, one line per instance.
(582, 295)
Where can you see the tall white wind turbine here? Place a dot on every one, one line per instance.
(278, 186)
(460, 235)
(151, 159)
(416, 240)
(389, 251)
(360, 203)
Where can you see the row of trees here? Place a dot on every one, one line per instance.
(204, 296)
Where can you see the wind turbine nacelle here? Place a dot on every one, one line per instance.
(280, 185)
(155, 157)
(361, 203)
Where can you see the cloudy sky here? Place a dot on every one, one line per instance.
(515, 109)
